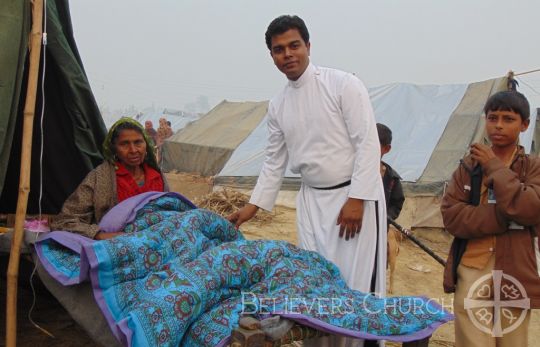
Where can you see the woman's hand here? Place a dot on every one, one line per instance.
(105, 236)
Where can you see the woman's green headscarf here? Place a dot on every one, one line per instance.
(108, 147)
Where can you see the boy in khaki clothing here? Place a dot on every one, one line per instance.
(492, 207)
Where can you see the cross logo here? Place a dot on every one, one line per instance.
(486, 302)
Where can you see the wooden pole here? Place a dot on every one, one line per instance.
(24, 179)
(526, 72)
(408, 234)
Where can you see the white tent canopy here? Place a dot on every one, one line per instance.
(417, 116)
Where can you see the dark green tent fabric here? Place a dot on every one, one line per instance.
(14, 30)
(72, 126)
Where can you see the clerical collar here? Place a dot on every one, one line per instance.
(306, 76)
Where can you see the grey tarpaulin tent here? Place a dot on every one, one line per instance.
(205, 145)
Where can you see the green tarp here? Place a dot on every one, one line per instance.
(14, 30)
(73, 129)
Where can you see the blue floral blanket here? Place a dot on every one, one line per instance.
(184, 276)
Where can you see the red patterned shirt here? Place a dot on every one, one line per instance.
(127, 187)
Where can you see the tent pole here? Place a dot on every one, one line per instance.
(24, 179)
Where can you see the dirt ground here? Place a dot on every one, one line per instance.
(416, 274)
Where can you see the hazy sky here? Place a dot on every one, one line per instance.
(169, 52)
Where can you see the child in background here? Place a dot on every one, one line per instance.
(394, 200)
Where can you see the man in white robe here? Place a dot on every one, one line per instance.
(322, 125)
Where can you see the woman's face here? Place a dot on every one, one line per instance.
(130, 148)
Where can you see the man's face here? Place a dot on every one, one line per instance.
(148, 124)
(503, 127)
(290, 53)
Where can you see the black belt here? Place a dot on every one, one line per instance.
(341, 185)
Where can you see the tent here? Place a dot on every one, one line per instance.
(433, 127)
(73, 129)
(205, 145)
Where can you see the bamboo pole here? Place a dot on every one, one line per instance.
(24, 179)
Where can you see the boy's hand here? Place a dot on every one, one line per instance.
(482, 153)
(350, 218)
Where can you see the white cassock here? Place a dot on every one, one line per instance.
(323, 125)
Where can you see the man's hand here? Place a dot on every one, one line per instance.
(481, 153)
(243, 215)
(105, 236)
(350, 218)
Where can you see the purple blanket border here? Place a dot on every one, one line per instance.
(119, 329)
(320, 325)
(125, 212)
(71, 241)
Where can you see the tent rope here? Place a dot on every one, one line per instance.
(42, 136)
(529, 86)
(526, 72)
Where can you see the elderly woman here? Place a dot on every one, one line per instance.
(130, 168)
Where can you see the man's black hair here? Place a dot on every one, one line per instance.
(284, 23)
(509, 101)
(385, 134)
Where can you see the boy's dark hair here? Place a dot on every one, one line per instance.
(284, 23)
(385, 134)
(509, 101)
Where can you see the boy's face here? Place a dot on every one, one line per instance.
(290, 53)
(503, 127)
(385, 149)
